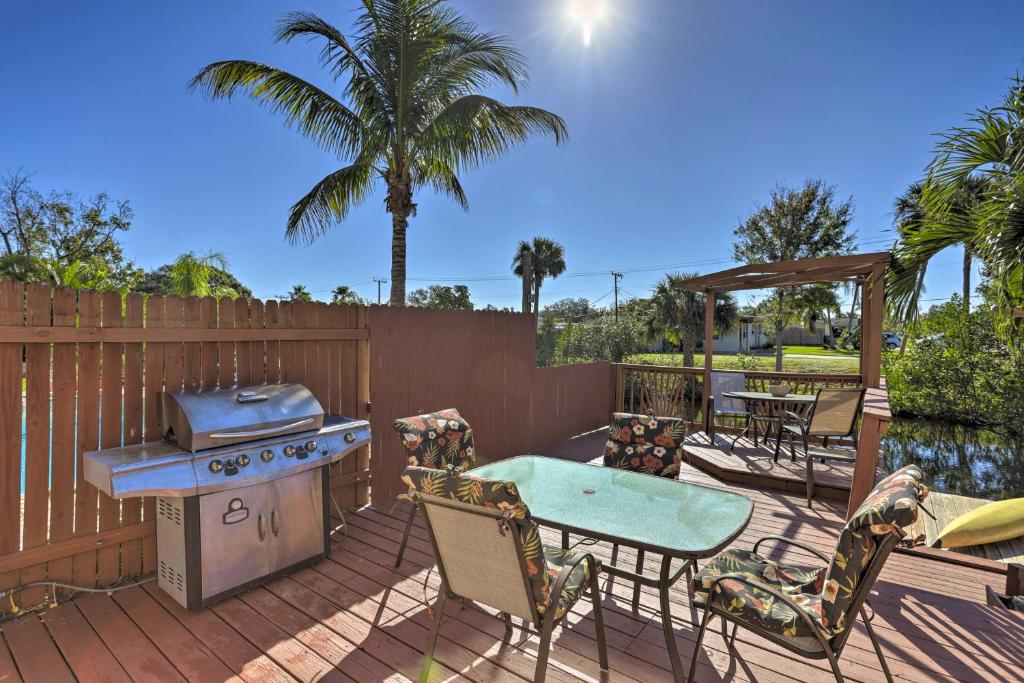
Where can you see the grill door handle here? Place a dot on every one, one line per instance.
(261, 527)
(252, 434)
(273, 521)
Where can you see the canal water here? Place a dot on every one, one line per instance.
(969, 461)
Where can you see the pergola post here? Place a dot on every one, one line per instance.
(873, 311)
(709, 343)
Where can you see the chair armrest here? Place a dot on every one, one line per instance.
(793, 542)
(791, 416)
(777, 594)
(566, 572)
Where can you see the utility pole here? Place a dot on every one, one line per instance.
(615, 284)
(380, 281)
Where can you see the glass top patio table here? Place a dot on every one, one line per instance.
(803, 399)
(675, 518)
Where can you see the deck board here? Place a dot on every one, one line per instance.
(753, 465)
(8, 670)
(82, 649)
(36, 655)
(355, 617)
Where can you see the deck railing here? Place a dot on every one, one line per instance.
(678, 391)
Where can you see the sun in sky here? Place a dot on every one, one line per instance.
(586, 14)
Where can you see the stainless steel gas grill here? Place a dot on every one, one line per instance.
(241, 481)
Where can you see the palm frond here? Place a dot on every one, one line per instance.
(475, 129)
(328, 202)
(316, 114)
(441, 177)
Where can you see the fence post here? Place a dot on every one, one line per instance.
(620, 387)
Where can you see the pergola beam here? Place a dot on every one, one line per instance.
(789, 273)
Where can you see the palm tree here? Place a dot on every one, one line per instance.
(917, 227)
(299, 293)
(410, 113)
(677, 314)
(192, 275)
(547, 259)
(343, 294)
(982, 161)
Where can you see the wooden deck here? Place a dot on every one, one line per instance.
(751, 465)
(353, 617)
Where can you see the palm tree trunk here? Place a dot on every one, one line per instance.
(778, 335)
(967, 277)
(399, 226)
(536, 295)
(526, 262)
(912, 311)
(399, 205)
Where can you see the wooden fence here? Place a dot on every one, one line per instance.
(678, 392)
(484, 364)
(84, 369)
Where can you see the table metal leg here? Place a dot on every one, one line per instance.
(664, 588)
(636, 585)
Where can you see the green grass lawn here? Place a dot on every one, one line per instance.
(820, 351)
(822, 363)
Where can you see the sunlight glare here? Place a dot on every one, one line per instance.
(586, 13)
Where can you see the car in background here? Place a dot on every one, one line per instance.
(891, 340)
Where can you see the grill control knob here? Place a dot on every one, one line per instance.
(267, 455)
(289, 450)
(229, 463)
(242, 460)
(350, 437)
(216, 466)
(311, 446)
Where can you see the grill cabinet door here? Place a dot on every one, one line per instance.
(235, 532)
(296, 518)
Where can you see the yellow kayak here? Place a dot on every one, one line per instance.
(991, 523)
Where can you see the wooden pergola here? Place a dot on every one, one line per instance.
(867, 271)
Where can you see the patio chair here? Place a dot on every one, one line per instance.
(647, 444)
(833, 415)
(811, 612)
(721, 406)
(434, 440)
(488, 550)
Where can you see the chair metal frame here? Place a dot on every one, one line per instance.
(545, 621)
(831, 648)
(803, 425)
(745, 413)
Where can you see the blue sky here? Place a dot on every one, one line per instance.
(682, 116)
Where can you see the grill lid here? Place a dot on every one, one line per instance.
(199, 420)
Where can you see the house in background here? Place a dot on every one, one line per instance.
(748, 334)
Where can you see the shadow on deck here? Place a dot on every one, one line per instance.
(354, 617)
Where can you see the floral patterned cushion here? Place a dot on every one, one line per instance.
(891, 505)
(755, 607)
(503, 495)
(652, 445)
(575, 585)
(437, 440)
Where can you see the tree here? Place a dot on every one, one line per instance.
(678, 315)
(572, 310)
(547, 259)
(193, 275)
(411, 112)
(440, 296)
(916, 226)
(299, 293)
(796, 223)
(811, 302)
(343, 294)
(63, 233)
(160, 281)
(989, 150)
